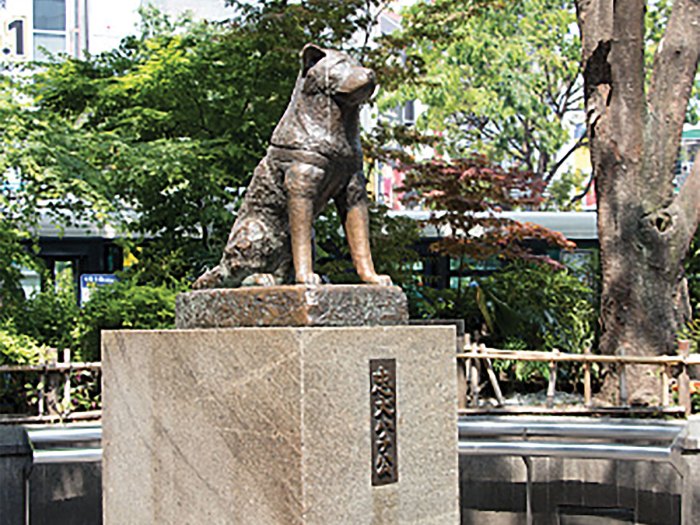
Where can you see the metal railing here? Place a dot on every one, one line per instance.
(58, 445)
(61, 444)
(527, 438)
(523, 437)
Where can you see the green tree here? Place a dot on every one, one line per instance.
(499, 78)
(185, 111)
(13, 256)
(46, 172)
(636, 112)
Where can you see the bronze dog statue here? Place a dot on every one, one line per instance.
(314, 156)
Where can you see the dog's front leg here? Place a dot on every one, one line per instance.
(302, 182)
(352, 207)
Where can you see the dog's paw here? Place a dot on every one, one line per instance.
(310, 279)
(381, 280)
(210, 279)
(259, 279)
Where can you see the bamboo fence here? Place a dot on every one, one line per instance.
(673, 371)
(54, 386)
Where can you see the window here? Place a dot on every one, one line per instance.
(49, 27)
(404, 114)
(31, 282)
(409, 113)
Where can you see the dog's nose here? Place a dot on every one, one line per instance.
(361, 81)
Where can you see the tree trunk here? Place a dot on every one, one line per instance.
(644, 227)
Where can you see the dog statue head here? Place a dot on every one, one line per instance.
(336, 74)
(323, 114)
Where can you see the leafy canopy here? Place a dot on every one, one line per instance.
(499, 78)
(181, 114)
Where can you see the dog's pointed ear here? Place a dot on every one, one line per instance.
(310, 56)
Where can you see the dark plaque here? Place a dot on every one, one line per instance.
(382, 381)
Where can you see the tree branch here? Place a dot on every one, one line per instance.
(627, 66)
(372, 22)
(683, 213)
(542, 162)
(552, 171)
(564, 102)
(488, 133)
(548, 88)
(571, 105)
(527, 141)
(581, 195)
(675, 66)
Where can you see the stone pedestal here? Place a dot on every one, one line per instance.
(325, 305)
(266, 426)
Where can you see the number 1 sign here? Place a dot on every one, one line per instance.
(12, 39)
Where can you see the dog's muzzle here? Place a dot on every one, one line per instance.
(359, 86)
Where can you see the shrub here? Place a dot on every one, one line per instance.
(524, 306)
(123, 305)
(19, 349)
(53, 318)
(50, 315)
(18, 390)
(538, 307)
(691, 331)
(425, 302)
(544, 307)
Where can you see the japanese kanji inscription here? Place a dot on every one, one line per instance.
(382, 374)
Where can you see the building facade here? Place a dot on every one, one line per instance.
(32, 29)
(29, 28)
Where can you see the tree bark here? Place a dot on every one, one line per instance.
(644, 228)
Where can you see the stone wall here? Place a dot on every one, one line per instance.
(59, 494)
(573, 492)
(15, 458)
(66, 494)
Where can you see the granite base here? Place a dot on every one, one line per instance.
(325, 305)
(272, 426)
